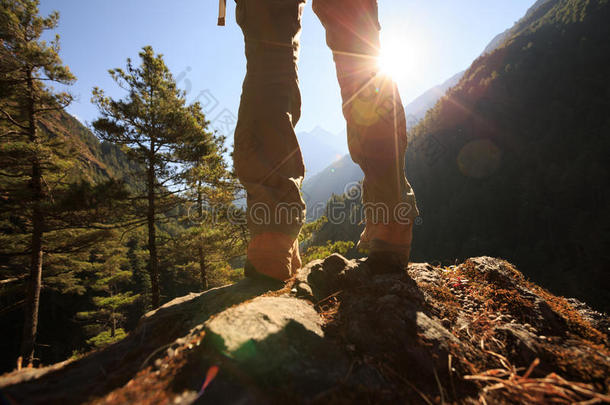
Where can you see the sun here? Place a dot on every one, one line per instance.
(394, 60)
(400, 58)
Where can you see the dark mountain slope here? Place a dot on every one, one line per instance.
(515, 163)
(533, 13)
(98, 160)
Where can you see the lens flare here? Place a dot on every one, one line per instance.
(401, 57)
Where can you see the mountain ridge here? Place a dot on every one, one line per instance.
(320, 148)
(98, 161)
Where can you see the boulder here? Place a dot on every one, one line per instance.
(338, 334)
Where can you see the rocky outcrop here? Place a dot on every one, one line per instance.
(477, 332)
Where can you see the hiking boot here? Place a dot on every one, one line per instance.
(388, 261)
(270, 256)
(251, 273)
(388, 246)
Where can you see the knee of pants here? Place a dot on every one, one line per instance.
(271, 102)
(267, 148)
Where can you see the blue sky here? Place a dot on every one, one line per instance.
(437, 38)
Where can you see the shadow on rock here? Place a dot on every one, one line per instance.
(100, 372)
(385, 325)
(340, 335)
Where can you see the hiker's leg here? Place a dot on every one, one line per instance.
(376, 124)
(267, 157)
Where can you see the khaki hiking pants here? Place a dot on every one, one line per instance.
(267, 157)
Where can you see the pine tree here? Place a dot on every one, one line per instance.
(152, 122)
(110, 287)
(210, 190)
(140, 278)
(29, 157)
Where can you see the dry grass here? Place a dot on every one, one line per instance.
(150, 386)
(443, 301)
(507, 384)
(575, 321)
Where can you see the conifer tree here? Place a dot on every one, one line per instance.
(30, 159)
(140, 278)
(210, 191)
(152, 122)
(110, 284)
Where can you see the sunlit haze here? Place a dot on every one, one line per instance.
(424, 43)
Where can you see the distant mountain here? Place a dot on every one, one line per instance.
(98, 160)
(321, 148)
(416, 109)
(335, 179)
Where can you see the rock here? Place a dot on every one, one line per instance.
(433, 331)
(598, 320)
(521, 343)
(339, 335)
(389, 300)
(245, 330)
(553, 322)
(335, 264)
(279, 342)
(332, 274)
(303, 290)
(496, 271)
(103, 371)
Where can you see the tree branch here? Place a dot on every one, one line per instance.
(12, 120)
(13, 279)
